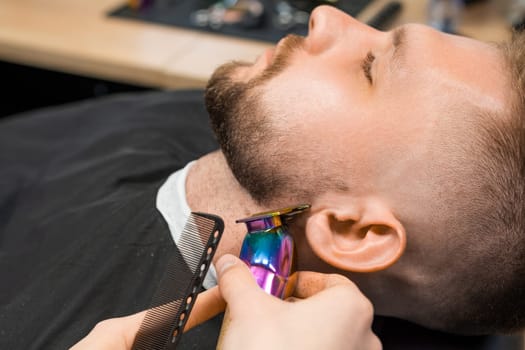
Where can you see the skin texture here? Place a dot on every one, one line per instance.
(342, 320)
(381, 148)
(343, 315)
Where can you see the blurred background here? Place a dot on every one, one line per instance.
(58, 51)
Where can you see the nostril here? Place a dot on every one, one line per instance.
(311, 23)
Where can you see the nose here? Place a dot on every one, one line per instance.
(329, 26)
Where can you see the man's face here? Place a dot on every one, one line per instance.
(391, 115)
(363, 108)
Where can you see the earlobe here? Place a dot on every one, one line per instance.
(364, 241)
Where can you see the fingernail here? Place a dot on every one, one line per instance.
(225, 262)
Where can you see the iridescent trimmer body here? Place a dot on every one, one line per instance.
(269, 251)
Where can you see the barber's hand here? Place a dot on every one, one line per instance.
(334, 315)
(119, 333)
(116, 333)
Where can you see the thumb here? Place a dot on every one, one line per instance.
(115, 333)
(236, 282)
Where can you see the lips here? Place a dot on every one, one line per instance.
(280, 44)
(288, 44)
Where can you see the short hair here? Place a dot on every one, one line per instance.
(498, 305)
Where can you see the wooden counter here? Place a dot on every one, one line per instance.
(76, 36)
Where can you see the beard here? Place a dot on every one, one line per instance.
(243, 126)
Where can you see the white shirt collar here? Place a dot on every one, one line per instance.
(172, 204)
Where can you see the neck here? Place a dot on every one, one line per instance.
(212, 188)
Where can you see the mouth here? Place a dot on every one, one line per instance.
(281, 43)
(270, 53)
(289, 44)
(269, 56)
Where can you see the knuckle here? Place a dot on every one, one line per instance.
(102, 325)
(362, 307)
(368, 307)
(337, 279)
(376, 343)
(105, 325)
(367, 310)
(352, 298)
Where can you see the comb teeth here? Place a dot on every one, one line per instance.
(191, 249)
(175, 295)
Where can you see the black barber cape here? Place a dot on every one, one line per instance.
(80, 237)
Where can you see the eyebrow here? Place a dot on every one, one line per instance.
(399, 44)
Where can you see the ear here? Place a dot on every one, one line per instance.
(362, 236)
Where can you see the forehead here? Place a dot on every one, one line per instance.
(474, 70)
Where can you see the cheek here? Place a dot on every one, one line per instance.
(313, 88)
(327, 117)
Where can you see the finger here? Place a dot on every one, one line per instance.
(113, 333)
(311, 283)
(130, 326)
(374, 343)
(236, 282)
(207, 305)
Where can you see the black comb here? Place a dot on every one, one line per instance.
(177, 291)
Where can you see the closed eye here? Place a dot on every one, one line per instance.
(367, 66)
